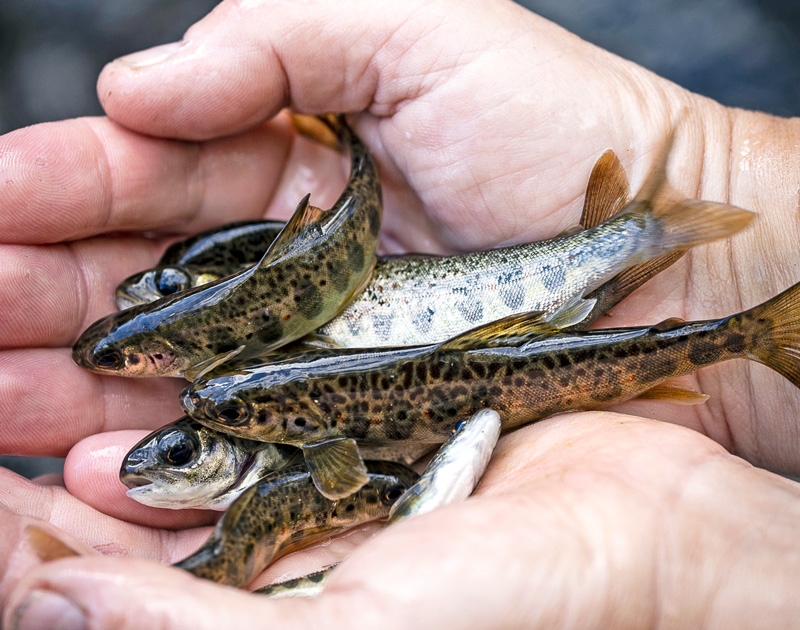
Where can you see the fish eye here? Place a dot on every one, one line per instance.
(108, 358)
(170, 280)
(176, 448)
(231, 414)
(459, 425)
(393, 493)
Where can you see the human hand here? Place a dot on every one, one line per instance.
(589, 520)
(485, 120)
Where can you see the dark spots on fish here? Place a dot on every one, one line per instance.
(734, 343)
(517, 365)
(343, 381)
(422, 372)
(548, 362)
(580, 372)
(435, 371)
(270, 332)
(495, 369)
(371, 499)
(563, 360)
(385, 383)
(582, 355)
(606, 395)
(479, 370)
(451, 411)
(300, 422)
(509, 286)
(451, 373)
(470, 309)
(397, 429)
(553, 276)
(564, 381)
(495, 391)
(664, 368)
(350, 507)
(423, 319)
(133, 360)
(308, 300)
(407, 371)
(358, 427)
(702, 352)
(355, 256)
(374, 218)
(620, 352)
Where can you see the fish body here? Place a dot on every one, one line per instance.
(455, 470)
(200, 259)
(322, 398)
(451, 476)
(186, 465)
(284, 512)
(317, 263)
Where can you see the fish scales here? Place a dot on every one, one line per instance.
(300, 284)
(285, 512)
(420, 393)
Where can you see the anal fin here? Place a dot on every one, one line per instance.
(673, 393)
(336, 467)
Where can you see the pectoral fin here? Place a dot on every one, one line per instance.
(196, 371)
(336, 467)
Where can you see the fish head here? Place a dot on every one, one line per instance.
(109, 347)
(181, 465)
(152, 284)
(251, 405)
(388, 481)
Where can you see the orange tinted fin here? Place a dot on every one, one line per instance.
(47, 546)
(317, 128)
(607, 191)
(675, 394)
(624, 283)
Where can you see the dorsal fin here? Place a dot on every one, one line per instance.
(607, 191)
(509, 331)
(668, 324)
(305, 215)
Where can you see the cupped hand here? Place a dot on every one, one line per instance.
(584, 520)
(485, 121)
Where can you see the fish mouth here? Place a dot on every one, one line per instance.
(134, 481)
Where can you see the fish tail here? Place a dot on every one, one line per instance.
(681, 222)
(776, 338)
(327, 129)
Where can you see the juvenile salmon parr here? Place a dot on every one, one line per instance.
(200, 259)
(322, 401)
(317, 263)
(186, 465)
(284, 512)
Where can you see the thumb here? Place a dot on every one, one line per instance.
(245, 61)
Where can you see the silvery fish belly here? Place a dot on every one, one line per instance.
(327, 401)
(284, 512)
(314, 267)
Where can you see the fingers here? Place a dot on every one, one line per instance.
(68, 180)
(47, 403)
(91, 474)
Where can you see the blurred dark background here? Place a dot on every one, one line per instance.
(744, 53)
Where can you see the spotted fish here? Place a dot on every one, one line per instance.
(200, 259)
(475, 281)
(451, 476)
(316, 264)
(284, 512)
(187, 465)
(323, 401)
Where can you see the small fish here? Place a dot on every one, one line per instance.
(413, 300)
(199, 260)
(451, 476)
(186, 465)
(324, 400)
(284, 512)
(486, 286)
(456, 469)
(311, 270)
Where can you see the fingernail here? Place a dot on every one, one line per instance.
(151, 56)
(47, 610)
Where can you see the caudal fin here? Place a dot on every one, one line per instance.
(777, 342)
(683, 222)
